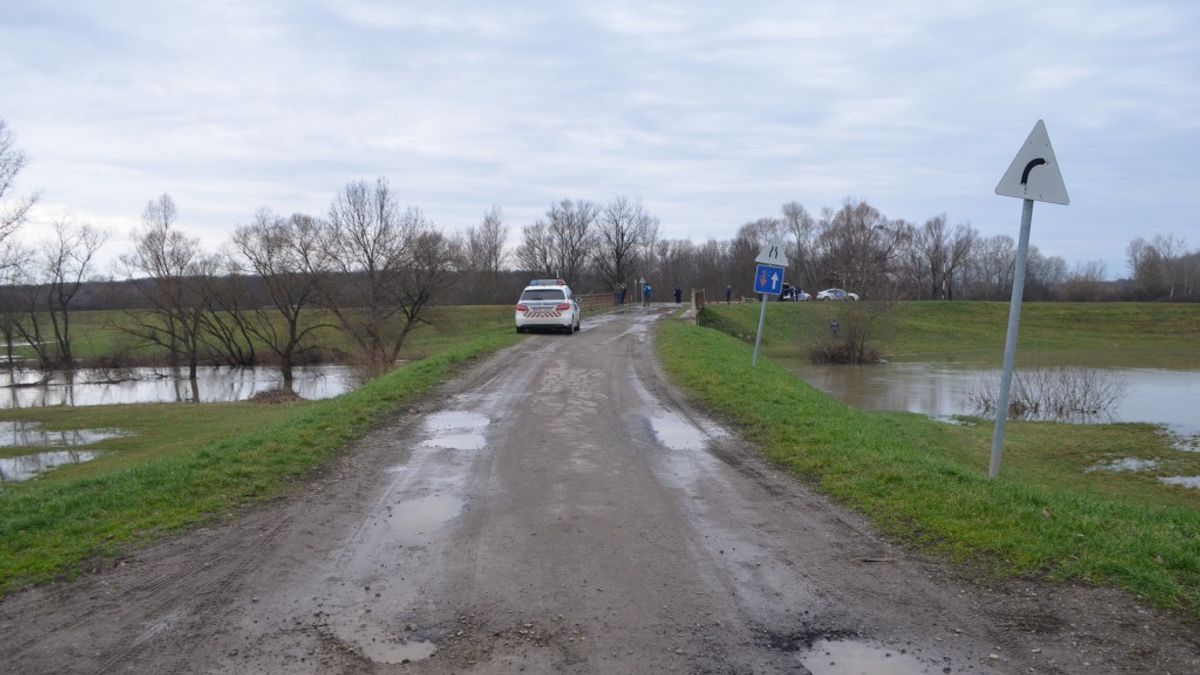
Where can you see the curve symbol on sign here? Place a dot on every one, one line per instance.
(1029, 167)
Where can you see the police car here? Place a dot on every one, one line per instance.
(547, 303)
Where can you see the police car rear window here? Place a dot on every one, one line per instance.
(543, 294)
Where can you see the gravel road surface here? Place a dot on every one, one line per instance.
(561, 509)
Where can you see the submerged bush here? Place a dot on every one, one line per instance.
(1053, 393)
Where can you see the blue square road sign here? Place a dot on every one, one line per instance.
(768, 279)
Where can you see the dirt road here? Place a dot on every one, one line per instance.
(559, 509)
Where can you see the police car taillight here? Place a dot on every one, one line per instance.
(522, 307)
(563, 306)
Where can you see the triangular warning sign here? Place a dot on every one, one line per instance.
(1034, 172)
(773, 254)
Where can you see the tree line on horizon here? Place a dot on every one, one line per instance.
(374, 267)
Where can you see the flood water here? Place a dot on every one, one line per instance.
(24, 467)
(35, 389)
(1168, 397)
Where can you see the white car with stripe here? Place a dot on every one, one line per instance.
(547, 303)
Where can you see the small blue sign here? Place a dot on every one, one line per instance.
(768, 279)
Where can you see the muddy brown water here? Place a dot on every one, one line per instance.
(562, 509)
(1168, 397)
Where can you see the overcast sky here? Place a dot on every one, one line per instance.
(714, 113)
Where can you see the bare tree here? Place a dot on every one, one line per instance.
(67, 260)
(1085, 281)
(803, 229)
(559, 244)
(166, 267)
(536, 252)
(287, 256)
(625, 233)
(228, 303)
(15, 259)
(1171, 249)
(858, 246)
(962, 245)
(387, 266)
(12, 161)
(484, 254)
(932, 242)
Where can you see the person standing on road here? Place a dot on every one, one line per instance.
(646, 291)
(621, 294)
(678, 295)
(728, 294)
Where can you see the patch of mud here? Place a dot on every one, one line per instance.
(1124, 465)
(1181, 481)
(15, 469)
(19, 434)
(852, 657)
(799, 640)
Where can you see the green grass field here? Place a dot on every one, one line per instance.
(188, 463)
(1150, 335)
(97, 334)
(925, 481)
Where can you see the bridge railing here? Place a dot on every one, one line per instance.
(596, 300)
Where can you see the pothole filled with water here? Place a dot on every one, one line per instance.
(853, 657)
(399, 652)
(456, 430)
(381, 645)
(412, 518)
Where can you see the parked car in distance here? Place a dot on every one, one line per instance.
(792, 293)
(547, 303)
(836, 294)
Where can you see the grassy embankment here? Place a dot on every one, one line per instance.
(1147, 335)
(188, 463)
(926, 481)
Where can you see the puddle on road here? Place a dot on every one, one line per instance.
(380, 646)
(24, 467)
(456, 430)
(1124, 465)
(411, 518)
(19, 434)
(849, 657)
(1181, 481)
(677, 433)
(456, 442)
(398, 652)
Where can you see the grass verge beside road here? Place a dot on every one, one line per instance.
(188, 463)
(926, 481)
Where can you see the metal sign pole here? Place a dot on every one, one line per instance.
(1010, 342)
(762, 318)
